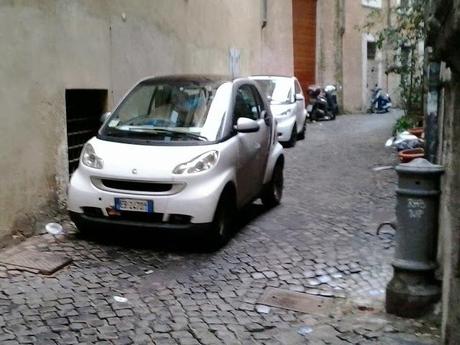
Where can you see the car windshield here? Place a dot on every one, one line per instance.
(277, 89)
(168, 111)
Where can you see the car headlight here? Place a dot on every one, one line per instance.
(90, 159)
(201, 163)
(285, 113)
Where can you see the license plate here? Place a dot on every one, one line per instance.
(122, 204)
(309, 108)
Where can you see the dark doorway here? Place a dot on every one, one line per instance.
(304, 30)
(84, 108)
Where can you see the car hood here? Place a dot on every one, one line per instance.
(149, 161)
(278, 109)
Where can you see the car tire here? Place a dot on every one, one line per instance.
(301, 135)
(222, 225)
(273, 191)
(293, 138)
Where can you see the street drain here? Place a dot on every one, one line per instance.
(296, 301)
(33, 260)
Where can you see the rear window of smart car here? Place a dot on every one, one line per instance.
(277, 89)
(169, 112)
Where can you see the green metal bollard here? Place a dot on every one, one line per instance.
(413, 290)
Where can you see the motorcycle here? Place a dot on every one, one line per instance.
(380, 102)
(322, 103)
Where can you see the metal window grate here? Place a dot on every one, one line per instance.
(371, 50)
(84, 108)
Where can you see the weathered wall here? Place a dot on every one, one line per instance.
(443, 31)
(51, 45)
(449, 211)
(277, 43)
(325, 42)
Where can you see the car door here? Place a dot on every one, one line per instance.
(252, 147)
(299, 106)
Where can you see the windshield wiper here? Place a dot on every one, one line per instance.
(170, 132)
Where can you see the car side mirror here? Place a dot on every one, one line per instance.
(245, 125)
(105, 116)
(299, 97)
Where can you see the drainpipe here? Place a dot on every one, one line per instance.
(264, 14)
(432, 101)
(338, 38)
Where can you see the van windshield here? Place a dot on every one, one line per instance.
(169, 111)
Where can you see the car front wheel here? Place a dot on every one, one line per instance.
(301, 135)
(222, 226)
(273, 191)
(293, 138)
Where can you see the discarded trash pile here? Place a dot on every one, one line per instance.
(405, 141)
(408, 146)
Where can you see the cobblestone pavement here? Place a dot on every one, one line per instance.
(320, 241)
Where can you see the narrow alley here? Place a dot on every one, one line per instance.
(321, 242)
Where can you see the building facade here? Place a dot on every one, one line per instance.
(63, 63)
(347, 56)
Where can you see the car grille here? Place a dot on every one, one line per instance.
(136, 185)
(93, 212)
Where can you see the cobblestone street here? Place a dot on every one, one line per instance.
(320, 241)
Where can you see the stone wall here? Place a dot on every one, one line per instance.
(49, 46)
(450, 211)
(443, 32)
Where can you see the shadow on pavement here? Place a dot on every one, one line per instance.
(181, 241)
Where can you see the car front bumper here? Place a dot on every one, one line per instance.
(193, 204)
(104, 221)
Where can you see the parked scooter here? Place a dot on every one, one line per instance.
(322, 103)
(380, 102)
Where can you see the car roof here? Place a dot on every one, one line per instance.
(268, 76)
(202, 78)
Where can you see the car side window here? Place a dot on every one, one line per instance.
(245, 104)
(298, 89)
(259, 101)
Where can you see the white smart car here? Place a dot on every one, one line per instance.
(287, 103)
(180, 152)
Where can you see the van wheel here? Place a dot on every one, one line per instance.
(222, 225)
(301, 135)
(293, 138)
(273, 191)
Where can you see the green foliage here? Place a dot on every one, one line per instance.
(403, 124)
(403, 37)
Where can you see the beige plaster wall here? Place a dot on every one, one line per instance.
(353, 78)
(51, 45)
(326, 48)
(277, 40)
